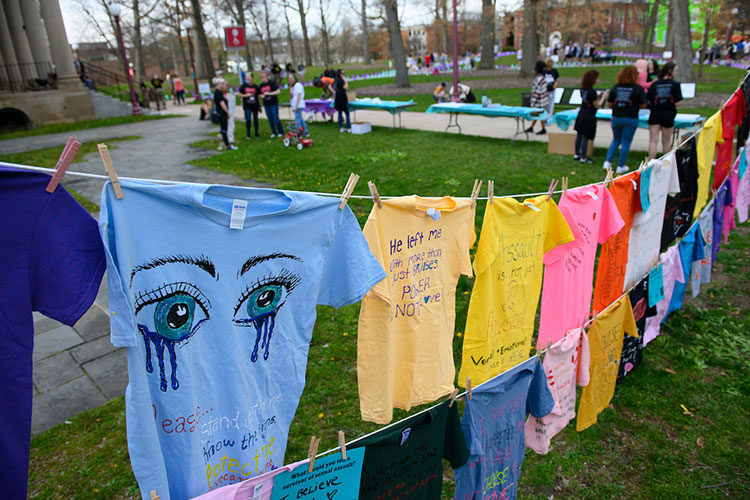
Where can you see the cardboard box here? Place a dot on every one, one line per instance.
(351, 95)
(361, 128)
(565, 144)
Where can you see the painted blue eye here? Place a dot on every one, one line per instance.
(173, 317)
(264, 300)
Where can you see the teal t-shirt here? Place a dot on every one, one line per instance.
(217, 321)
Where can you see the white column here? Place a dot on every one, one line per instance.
(17, 34)
(6, 44)
(32, 21)
(62, 58)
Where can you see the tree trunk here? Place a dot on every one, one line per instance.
(178, 29)
(397, 43)
(529, 45)
(240, 6)
(324, 34)
(289, 40)
(706, 30)
(682, 41)
(267, 23)
(487, 36)
(207, 68)
(305, 38)
(140, 71)
(669, 43)
(648, 39)
(365, 35)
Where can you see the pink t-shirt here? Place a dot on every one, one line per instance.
(671, 272)
(593, 217)
(246, 489)
(566, 364)
(178, 86)
(734, 184)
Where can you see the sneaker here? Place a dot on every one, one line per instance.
(342, 130)
(622, 170)
(272, 136)
(576, 157)
(542, 132)
(587, 161)
(232, 146)
(607, 164)
(247, 138)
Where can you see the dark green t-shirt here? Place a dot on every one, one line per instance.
(405, 461)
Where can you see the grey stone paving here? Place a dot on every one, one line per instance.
(77, 368)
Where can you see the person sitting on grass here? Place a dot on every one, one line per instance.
(206, 109)
(440, 94)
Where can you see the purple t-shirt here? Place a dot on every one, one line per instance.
(723, 198)
(51, 261)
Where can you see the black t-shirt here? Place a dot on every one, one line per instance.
(588, 98)
(663, 95)
(252, 101)
(157, 83)
(632, 348)
(269, 86)
(405, 461)
(626, 99)
(678, 215)
(218, 98)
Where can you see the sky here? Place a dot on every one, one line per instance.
(413, 13)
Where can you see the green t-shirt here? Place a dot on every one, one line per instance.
(405, 461)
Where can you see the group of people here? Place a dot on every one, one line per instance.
(155, 93)
(572, 52)
(465, 94)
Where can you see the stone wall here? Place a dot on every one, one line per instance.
(52, 106)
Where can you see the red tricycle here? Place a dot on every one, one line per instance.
(296, 136)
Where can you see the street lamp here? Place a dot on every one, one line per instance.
(114, 10)
(188, 24)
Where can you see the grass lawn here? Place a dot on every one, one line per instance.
(645, 446)
(81, 125)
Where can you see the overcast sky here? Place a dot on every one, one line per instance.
(413, 13)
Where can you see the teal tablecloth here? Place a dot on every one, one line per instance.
(564, 119)
(390, 106)
(478, 109)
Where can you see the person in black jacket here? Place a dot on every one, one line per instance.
(341, 101)
(586, 120)
(663, 97)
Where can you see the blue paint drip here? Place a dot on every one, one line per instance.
(159, 344)
(264, 325)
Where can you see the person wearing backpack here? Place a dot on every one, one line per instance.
(625, 98)
(663, 97)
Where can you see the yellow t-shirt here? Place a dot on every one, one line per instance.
(605, 347)
(707, 140)
(405, 341)
(508, 268)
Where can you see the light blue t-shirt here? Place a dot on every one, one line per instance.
(217, 321)
(494, 426)
(692, 248)
(645, 184)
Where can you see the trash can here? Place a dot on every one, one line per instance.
(526, 99)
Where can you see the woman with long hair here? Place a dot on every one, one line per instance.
(586, 120)
(663, 97)
(539, 94)
(626, 98)
(341, 101)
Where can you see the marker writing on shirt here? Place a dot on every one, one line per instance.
(227, 468)
(412, 240)
(523, 249)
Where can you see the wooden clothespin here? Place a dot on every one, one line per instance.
(110, 168)
(353, 178)
(491, 191)
(452, 398)
(468, 387)
(342, 444)
(608, 178)
(314, 442)
(565, 186)
(374, 193)
(546, 350)
(475, 192)
(66, 158)
(552, 186)
(154, 496)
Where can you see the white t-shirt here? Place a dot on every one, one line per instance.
(701, 269)
(645, 234)
(298, 90)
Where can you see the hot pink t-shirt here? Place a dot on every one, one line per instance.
(178, 86)
(566, 364)
(593, 217)
(671, 272)
(246, 489)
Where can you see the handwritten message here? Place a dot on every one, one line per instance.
(332, 478)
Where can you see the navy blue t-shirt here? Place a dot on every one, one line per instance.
(51, 261)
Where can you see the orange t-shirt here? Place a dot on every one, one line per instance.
(326, 82)
(610, 275)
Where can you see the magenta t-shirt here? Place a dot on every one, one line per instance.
(593, 217)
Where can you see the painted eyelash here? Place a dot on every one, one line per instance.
(145, 298)
(285, 278)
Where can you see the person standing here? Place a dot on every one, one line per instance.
(341, 101)
(250, 94)
(269, 92)
(663, 97)
(179, 90)
(585, 125)
(298, 103)
(551, 76)
(222, 107)
(157, 83)
(626, 98)
(539, 94)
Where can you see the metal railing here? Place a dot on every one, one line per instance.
(105, 81)
(27, 77)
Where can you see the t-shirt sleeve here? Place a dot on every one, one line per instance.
(557, 232)
(611, 220)
(469, 240)
(650, 94)
(372, 236)
(628, 323)
(674, 177)
(562, 250)
(676, 92)
(349, 269)
(699, 251)
(539, 401)
(455, 450)
(584, 360)
(612, 93)
(67, 259)
(487, 249)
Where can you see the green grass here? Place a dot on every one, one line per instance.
(81, 125)
(644, 446)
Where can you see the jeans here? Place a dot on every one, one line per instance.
(251, 114)
(623, 130)
(300, 122)
(180, 96)
(341, 122)
(272, 113)
(582, 145)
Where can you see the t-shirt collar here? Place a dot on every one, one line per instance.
(215, 203)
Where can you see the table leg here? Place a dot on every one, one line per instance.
(520, 122)
(452, 122)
